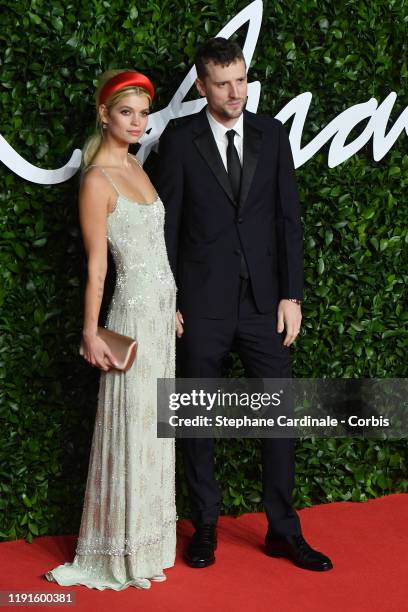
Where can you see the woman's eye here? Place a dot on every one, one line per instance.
(125, 112)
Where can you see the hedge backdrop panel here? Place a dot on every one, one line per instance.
(354, 219)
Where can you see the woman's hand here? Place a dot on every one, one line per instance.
(179, 324)
(97, 353)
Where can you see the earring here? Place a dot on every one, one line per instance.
(104, 126)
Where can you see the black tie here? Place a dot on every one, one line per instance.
(233, 165)
(234, 173)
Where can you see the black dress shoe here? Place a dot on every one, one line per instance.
(200, 551)
(295, 548)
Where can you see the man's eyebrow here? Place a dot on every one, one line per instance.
(229, 81)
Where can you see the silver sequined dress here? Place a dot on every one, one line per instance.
(128, 528)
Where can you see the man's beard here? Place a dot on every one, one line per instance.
(231, 113)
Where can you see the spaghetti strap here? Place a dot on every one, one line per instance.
(135, 159)
(107, 175)
(109, 179)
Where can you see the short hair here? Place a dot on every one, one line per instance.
(220, 51)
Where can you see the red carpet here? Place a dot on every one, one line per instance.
(367, 543)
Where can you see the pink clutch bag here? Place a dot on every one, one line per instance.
(122, 347)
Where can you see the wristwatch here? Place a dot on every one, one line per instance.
(295, 301)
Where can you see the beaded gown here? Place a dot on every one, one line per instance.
(128, 529)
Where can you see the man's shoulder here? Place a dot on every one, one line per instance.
(178, 130)
(263, 122)
(179, 124)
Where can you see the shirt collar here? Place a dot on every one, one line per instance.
(220, 130)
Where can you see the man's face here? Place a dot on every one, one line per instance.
(225, 88)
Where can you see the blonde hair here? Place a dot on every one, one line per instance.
(93, 143)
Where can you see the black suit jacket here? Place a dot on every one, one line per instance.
(206, 230)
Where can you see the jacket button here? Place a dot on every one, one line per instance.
(239, 219)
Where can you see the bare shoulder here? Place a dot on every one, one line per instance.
(95, 190)
(92, 178)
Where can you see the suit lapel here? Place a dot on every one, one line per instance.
(207, 146)
(252, 147)
(205, 143)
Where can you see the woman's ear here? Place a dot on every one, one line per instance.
(103, 114)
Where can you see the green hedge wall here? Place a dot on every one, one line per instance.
(354, 218)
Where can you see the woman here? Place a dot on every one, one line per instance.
(127, 533)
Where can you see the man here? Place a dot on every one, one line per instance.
(234, 242)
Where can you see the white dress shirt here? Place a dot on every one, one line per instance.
(221, 139)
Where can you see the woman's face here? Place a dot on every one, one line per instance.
(127, 119)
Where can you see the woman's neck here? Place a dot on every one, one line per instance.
(113, 154)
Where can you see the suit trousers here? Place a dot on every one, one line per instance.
(203, 347)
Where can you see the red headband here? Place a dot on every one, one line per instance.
(125, 79)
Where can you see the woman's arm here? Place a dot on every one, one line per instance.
(93, 211)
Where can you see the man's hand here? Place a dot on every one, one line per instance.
(179, 324)
(289, 317)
